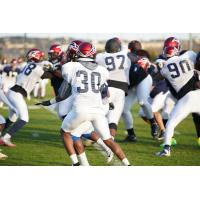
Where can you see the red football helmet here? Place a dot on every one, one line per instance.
(172, 42)
(86, 50)
(55, 53)
(34, 55)
(143, 62)
(170, 51)
(72, 50)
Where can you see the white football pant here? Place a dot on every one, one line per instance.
(75, 119)
(17, 100)
(186, 105)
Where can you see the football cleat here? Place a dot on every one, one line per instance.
(164, 152)
(131, 138)
(154, 130)
(6, 142)
(3, 156)
(173, 143)
(110, 156)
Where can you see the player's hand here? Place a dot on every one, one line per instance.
(111, 106)
(43, 103)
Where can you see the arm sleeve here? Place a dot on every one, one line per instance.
(64, 91)
(48, 75)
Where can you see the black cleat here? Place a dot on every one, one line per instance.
(154, 130)
(131, 138)
(162, 135)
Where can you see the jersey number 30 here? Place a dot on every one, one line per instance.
(95, 81)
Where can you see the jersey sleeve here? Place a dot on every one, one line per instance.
(192, 56)
(99, 59)
(67, 72)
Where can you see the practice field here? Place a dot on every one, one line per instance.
(39, 144)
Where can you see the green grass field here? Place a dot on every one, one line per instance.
(39, 144)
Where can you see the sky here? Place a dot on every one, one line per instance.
(104, 36)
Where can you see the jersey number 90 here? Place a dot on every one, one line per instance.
(184, 68)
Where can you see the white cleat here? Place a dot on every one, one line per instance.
(3, 156)
(164, 152)
(6, 142)
(110, 156)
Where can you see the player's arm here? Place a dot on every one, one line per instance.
(64, 93)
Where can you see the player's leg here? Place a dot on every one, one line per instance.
(64, 107)
(186, 105)
(117, 96)
(71, 122)
(43, 87)
(19, 103)
(36, 90)
(196, 120)
(143, 90)
(101, 126)
(127, 115)
(2, 123)
(157, 104)
(169, 104)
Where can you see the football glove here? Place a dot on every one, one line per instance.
(111, 106)
(43, 103)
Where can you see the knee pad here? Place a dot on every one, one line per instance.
(113, 126)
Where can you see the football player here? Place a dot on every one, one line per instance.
(85, 79)
(55, 55)
(140, 85)
(116, 61)
(10, 72)
(26, 80)
(184, 85)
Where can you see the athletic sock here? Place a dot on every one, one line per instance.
(131, 132)
(83, 159)
(103, 146)
(125, 162)
(196, 120)
(7, 136)
(152, 121)
(74, 159)
(8, 123)
(16, 126)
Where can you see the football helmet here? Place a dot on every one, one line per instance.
(172, 42)
(170, 51)
(143, 62)
(113, 45)
(134, 46)
(55, 53)
(86, 50)
(34, 55)
(72, 50)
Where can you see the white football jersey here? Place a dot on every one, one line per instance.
(118, 65)
(178, 70)
(30, 75)
(86, 86)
